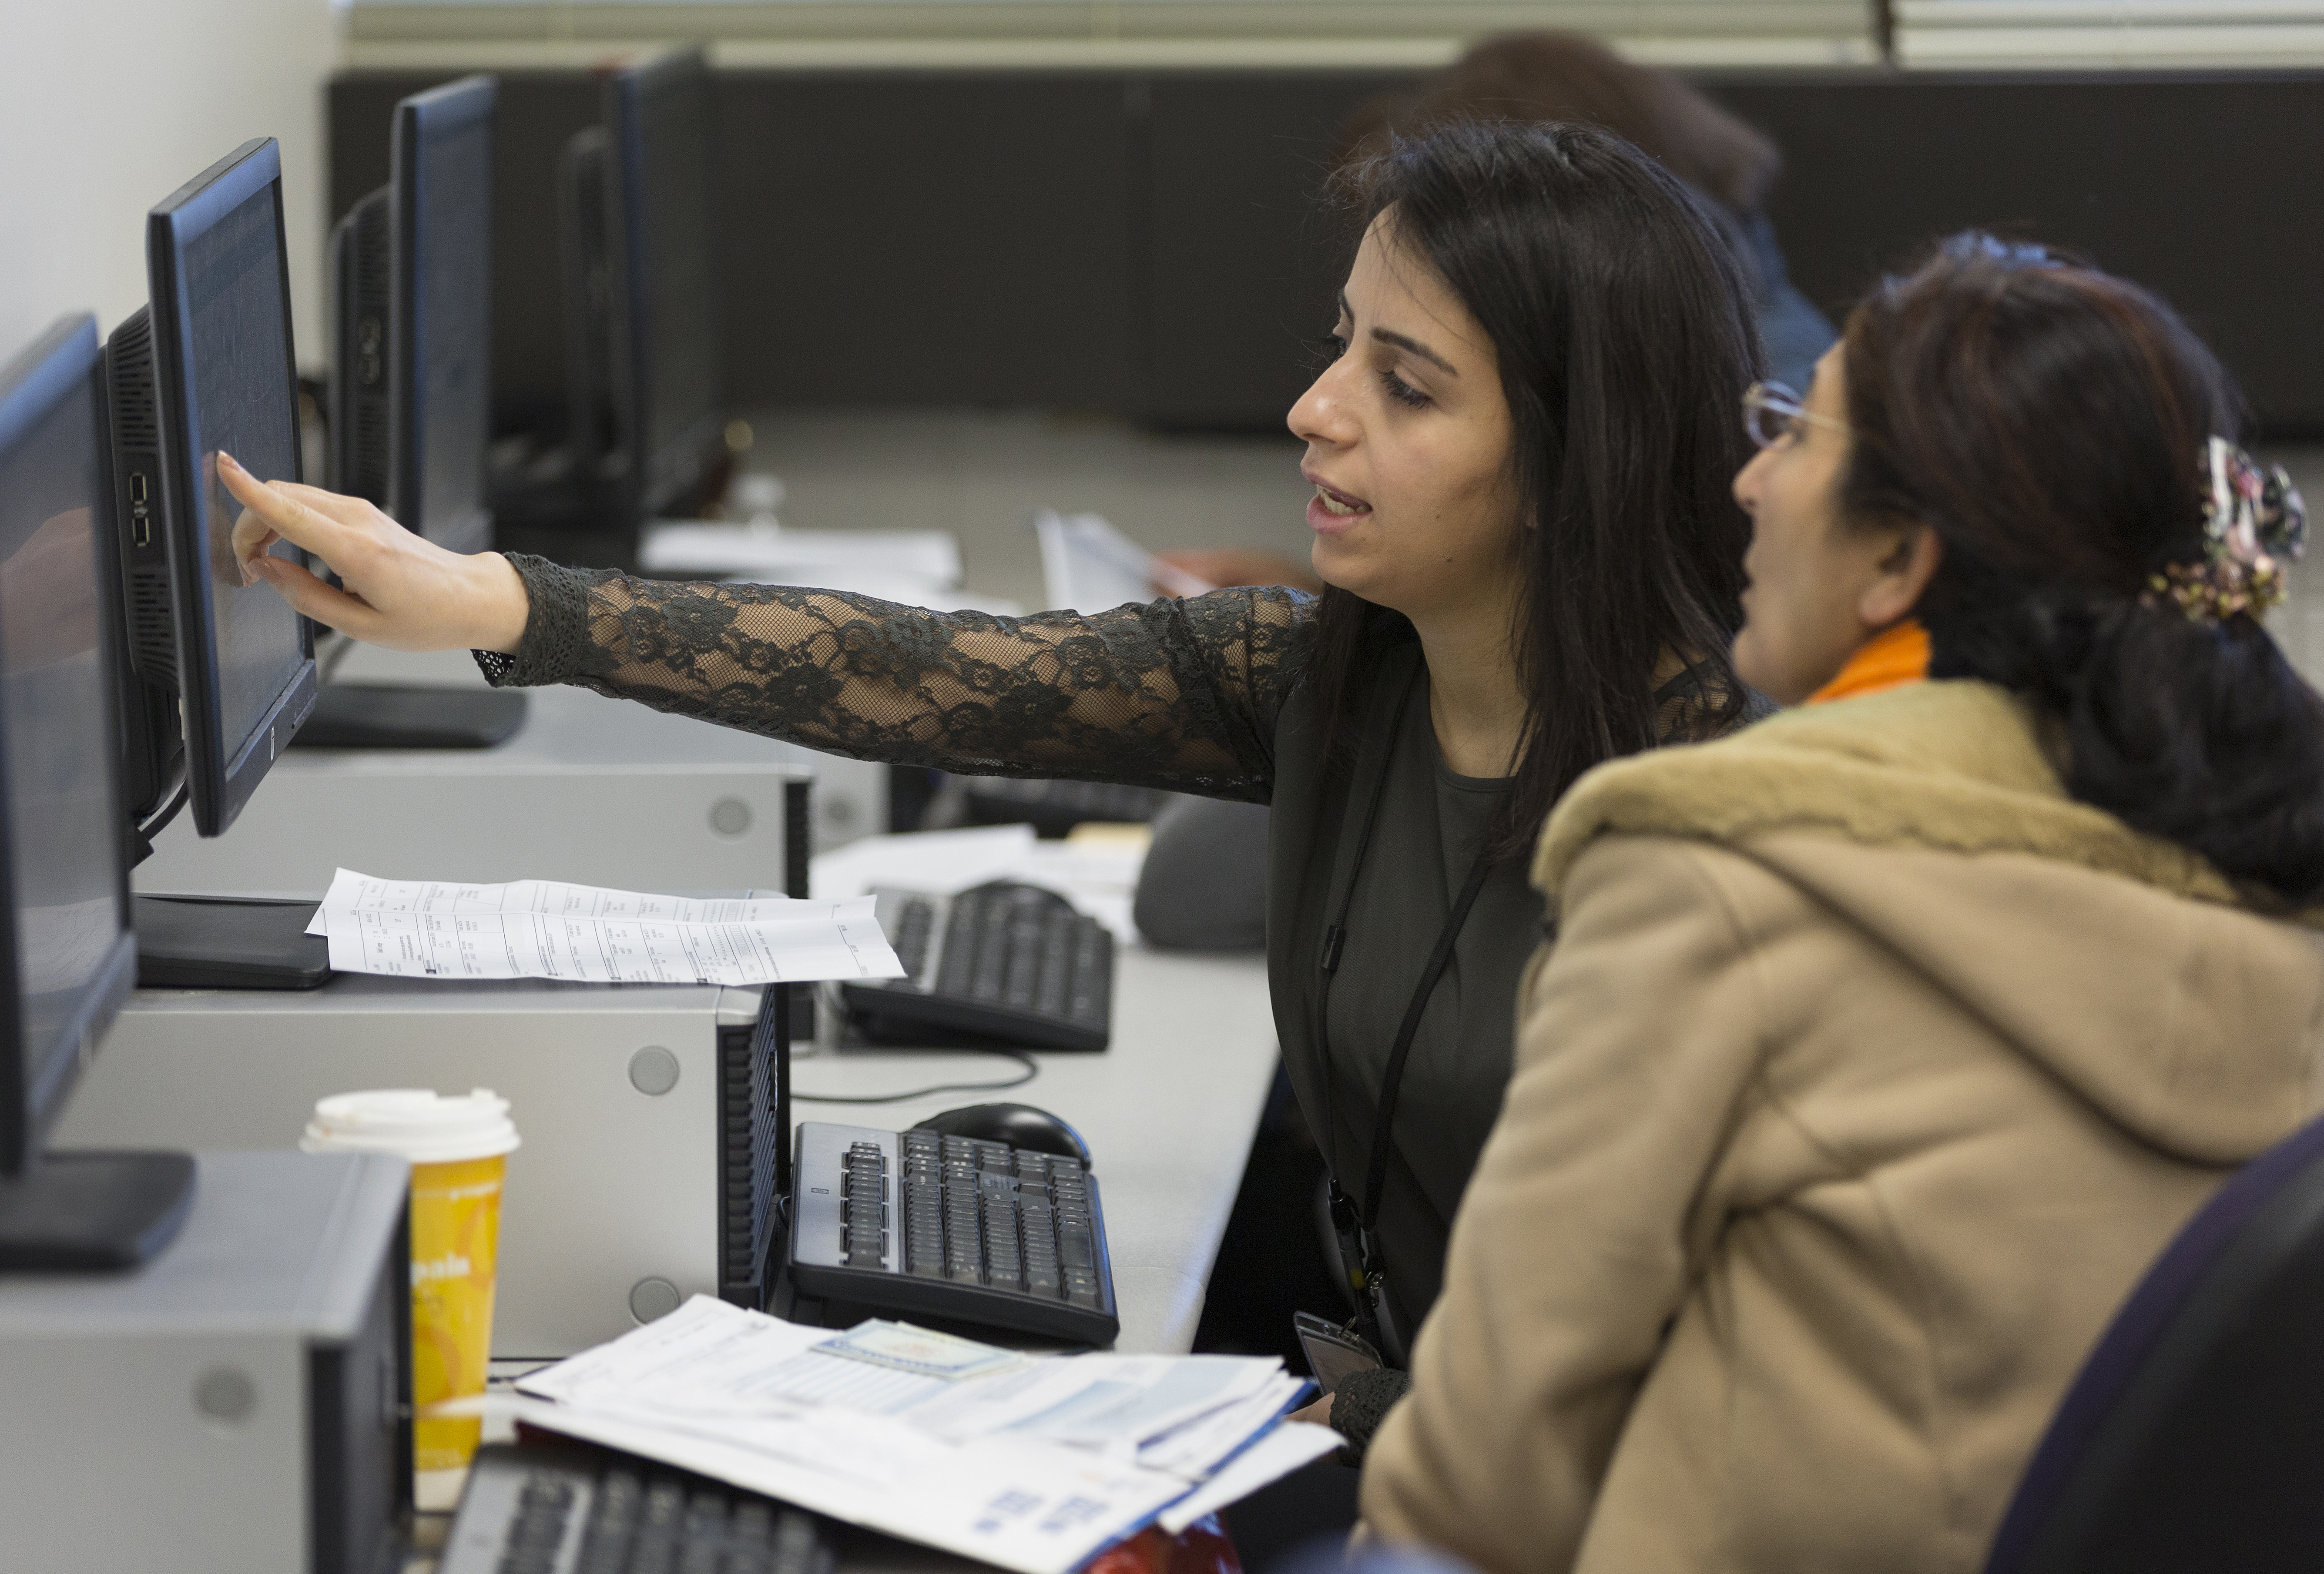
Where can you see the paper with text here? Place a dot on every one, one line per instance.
(547, 929)
(1033, 1468)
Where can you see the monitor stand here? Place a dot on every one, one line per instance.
(365, 715)
(78, 1212)
(228, 943)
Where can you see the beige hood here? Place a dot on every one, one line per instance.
(1929, 818)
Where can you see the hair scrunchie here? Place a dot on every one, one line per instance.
(2254, 527)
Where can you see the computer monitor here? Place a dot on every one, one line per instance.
(667, 392)
(411, 415)
(411, 266)
(68, 958)
(641, 247)
(206, 366)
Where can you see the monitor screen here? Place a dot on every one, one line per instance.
(662, 124)
(444, 263)
(225, 380)
(244, 401)
(67, 952)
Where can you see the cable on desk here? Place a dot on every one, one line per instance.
(1032, 1069)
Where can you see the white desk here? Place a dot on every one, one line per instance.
(1168, 1113)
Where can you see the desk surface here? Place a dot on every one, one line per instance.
(1168, 1113)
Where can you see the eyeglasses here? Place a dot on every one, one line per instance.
(1773, 413)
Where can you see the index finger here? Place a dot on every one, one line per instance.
(268, 510)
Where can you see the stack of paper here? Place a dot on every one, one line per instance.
(544, 929)
(1033, 1463)
(1088, 565)
(766, 551)
(914, 568)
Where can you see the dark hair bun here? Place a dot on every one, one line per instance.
(2047, 419)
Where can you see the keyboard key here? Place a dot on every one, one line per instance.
(637, 1524)
(1021, 968)
(1090, 999)
(990, 975)
(914, 929)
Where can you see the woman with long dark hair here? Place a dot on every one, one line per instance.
(1885, 1045)
(1521, 459)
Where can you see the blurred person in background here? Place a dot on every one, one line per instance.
(1535, 77)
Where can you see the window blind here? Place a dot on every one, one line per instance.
(2144, 34)
(1225, 32)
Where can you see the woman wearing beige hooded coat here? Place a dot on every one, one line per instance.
(1886, 1043)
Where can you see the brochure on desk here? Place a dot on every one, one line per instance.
(1031, 1463)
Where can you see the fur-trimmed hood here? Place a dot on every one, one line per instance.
(1956, 767)
(1931, 819)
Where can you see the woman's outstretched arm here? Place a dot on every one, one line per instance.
(1177, 695)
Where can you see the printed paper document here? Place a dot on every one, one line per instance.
(545, 929)
(1035, 1464)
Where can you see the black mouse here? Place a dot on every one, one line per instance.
(1018, 1125)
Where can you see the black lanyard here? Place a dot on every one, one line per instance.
(1359, 1232)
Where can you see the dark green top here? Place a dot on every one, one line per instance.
(1431, 824)
(1201, 696)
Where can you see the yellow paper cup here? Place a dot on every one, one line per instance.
(458, 1147)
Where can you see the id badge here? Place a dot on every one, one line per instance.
(1333, 1351)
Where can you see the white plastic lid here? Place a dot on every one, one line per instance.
(423, 1126)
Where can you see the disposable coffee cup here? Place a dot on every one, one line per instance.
(458, 1147)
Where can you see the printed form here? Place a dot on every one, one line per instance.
(547, 929)
(1031, 1463)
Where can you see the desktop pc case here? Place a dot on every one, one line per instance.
(359, 405)
(241, 1403)
(649, 1117)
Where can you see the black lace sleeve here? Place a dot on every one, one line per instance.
(1180, 695)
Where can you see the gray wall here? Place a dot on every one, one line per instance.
(1149, 245)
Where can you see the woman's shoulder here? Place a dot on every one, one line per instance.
(1958, 766)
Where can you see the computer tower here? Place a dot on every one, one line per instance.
(149, 703)
(239, 1405)
(649, 1116)
(360, 414)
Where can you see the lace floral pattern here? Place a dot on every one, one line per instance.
(1179, 694)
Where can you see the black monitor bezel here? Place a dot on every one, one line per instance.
(655, 476)
(220, 777)
(419, 120)
(64, 363)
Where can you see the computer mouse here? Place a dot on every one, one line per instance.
(1018, 1125)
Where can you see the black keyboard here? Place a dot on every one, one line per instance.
(1011, 963)
(913, 1224)
(1053, 807)
(537, 1509)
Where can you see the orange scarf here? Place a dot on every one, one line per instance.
(1898, 655)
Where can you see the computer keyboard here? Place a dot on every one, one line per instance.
(1053, 807)
(917, 1225)
(1011, 964)
(532, 1508)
